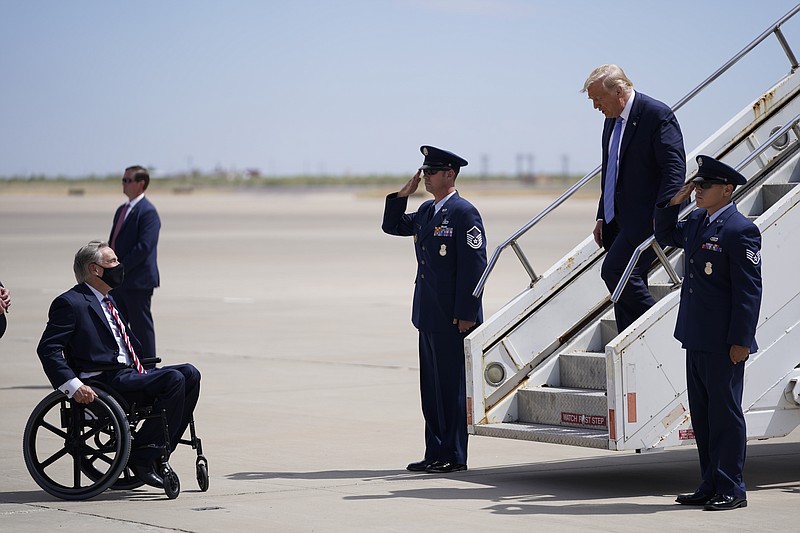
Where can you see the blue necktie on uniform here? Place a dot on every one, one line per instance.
(611, 172)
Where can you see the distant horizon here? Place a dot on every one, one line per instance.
(353, 88)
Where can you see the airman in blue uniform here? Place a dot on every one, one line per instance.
(450, 246)
(720, 303)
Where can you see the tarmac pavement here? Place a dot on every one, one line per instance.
(296, 309)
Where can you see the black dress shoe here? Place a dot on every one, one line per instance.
(147, 474)
(420, 466)
(724, 503)
(443, 467)
(696, 498)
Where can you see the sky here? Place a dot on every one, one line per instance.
(354, 87)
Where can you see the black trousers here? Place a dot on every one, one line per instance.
(444, 397)
(635, 299)
(175, 389)
(715, 387)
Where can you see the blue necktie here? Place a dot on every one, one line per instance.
(611, 172)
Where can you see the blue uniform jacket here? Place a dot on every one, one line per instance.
(652, 165)
(136, 245)
(451, 256)
(721, 292)
(77, 336)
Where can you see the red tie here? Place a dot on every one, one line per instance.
(120, 220)
(125, 338)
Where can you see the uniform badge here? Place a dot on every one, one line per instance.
(425, 151)
(474, 238)
(709, 269)
(714, 238)
(443, 250)
(754, 257)
(442, 231)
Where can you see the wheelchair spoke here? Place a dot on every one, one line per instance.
(56, 431)
(91, 456)
(53, 458)
(76, 471)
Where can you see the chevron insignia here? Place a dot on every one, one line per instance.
(754, 257)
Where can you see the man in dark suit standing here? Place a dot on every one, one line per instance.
(134, 238)
(84, 331)
(717, 318)
(643, 163)
(450, 247)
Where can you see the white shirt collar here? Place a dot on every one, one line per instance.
(718, 212)
(441, 202)
(97, 293)
(136, 200)
(628, 105)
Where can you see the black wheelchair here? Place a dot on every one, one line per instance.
(76, 451)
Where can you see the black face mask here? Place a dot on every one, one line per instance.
(113, 276)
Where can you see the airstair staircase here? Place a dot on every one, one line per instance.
(550, 366)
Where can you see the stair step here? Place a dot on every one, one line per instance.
(558, 406)
(659, 290)
(608, 330)
(772, 192)
(583, 370)
(588, 438)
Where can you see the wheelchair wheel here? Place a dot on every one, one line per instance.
(172, 484)
(75, 451)
(127, 481)
(202, 473)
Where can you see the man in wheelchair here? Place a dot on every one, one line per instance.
(85, 337)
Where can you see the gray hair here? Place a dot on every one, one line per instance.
(612, 77)
(86, 256)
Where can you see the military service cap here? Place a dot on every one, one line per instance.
(713, 171)
(436, 158)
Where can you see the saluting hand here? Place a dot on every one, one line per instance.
(409, 188)
(683, 193)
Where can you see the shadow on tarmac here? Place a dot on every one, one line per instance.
(553, 487)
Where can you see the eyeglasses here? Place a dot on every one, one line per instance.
(128, 180)
(432, 171)
(705, 185)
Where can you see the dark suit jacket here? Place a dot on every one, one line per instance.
(652, 165)
(451, 256)
(721, 292)
(77, 336)
(136, 245)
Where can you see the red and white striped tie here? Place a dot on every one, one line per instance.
(125, 338)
